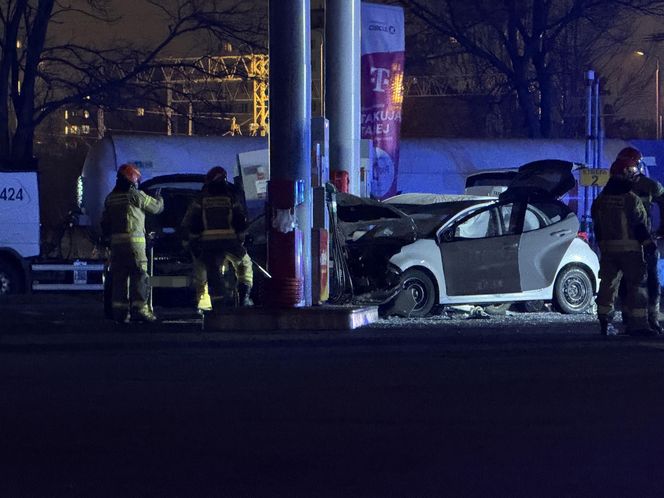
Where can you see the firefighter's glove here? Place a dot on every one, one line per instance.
(649, 248)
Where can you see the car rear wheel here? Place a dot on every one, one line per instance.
(420, 284)
(573, 291)
(11, 281)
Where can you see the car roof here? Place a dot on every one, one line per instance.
(425, 198)
(175, 178)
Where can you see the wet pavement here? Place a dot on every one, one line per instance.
(52, 313)
(516, 405)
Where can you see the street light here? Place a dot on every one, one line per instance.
(658, 118)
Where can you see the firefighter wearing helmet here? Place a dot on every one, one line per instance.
(123, 222)
(621, 230)
(215, 225)
(650, 192)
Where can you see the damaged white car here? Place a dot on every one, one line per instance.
(521, 246)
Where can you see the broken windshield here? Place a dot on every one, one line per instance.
(429, 218)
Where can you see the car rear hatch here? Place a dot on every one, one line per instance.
(548, 178)
(490, 183)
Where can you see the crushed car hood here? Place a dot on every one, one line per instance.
(365, 220)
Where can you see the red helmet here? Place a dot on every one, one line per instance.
(630, 154)
(129, 172)
(216, 174)
(624, 167)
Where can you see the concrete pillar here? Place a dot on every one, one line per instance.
(342, 86)
(290, 110)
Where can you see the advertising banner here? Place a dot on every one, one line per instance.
(383, 53)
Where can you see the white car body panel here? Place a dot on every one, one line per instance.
(425, 253)
(423, 199)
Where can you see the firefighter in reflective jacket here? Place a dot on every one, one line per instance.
(620, 224)
(650, 191)
(242, 267)
(218, 221)
(123, 222)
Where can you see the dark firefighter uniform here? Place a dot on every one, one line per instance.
(651, 192)
(123, 222)
(620, 225)
(216, 224)
(242, 267)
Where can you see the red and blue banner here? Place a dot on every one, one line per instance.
(383, 54)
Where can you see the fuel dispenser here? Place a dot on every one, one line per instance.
(366, 168)
(341, 180)
(286, 287)
(320, 227)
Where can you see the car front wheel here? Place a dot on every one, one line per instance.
(420, 284)
(573, 291)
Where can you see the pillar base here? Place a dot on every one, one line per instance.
(306, 319)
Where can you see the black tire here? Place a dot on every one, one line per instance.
(11, 279)
(573, 291)
(424, 291)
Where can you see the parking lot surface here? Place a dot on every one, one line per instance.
(519, 405)
(78, 319)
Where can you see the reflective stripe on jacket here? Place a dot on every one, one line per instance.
(619, 220)
(217, 212)
(217, 215)
(123, 219)
(619, 245)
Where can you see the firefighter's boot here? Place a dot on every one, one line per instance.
(606, 328)
(143, 315)
(244, 291)
(653, 322)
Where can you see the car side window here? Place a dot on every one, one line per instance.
(532, 221)
(512, 218)
(477, 226)
(549, 211)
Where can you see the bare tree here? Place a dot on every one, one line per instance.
(534, 47)
(40, 74)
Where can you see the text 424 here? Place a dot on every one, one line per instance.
(11, 194)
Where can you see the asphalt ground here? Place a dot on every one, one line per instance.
(519, 405)
(76, 320)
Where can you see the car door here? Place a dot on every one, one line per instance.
(547, 226)
(549, 229)
(478, 257)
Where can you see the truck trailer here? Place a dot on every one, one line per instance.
(27, 263)
(434, 165)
